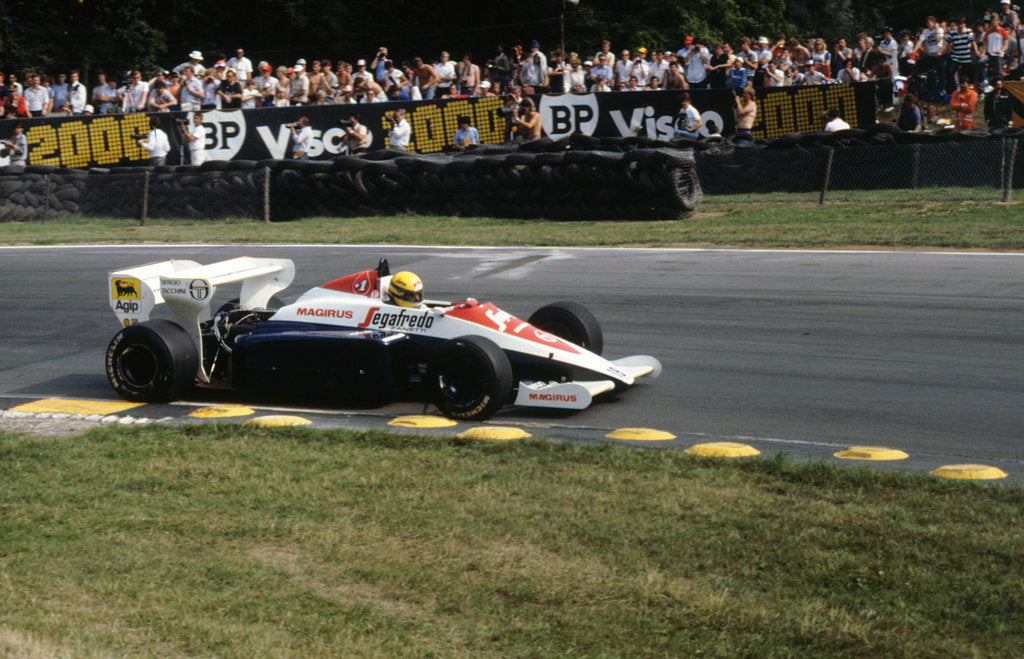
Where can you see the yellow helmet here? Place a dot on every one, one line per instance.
(405, 289)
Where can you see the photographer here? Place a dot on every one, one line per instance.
(528, 127)
(302, 138)
(159, 99)
(358, 137)
(745, 113)
(156, 143)
(195, 137)
(18, 145)
(401, 131)
(191, 91)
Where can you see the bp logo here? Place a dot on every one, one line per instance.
(569, 113)
(199, 289)
(225, 133)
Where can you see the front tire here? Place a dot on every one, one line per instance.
(572, 322)
(152, 362)
(471, 378)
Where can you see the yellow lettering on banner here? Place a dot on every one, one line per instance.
(452, 113)
(105, 139)
(130, 125)
(809, 103)
(843, 99)
(42, 143)
(74, 145)
(775, 116)
(428, 129)
(385, 123)
(489, 123)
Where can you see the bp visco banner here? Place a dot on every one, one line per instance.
(258, 134)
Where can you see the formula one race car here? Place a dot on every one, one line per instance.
(355, 338)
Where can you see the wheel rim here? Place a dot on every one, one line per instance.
(460, 383)
(138, 366)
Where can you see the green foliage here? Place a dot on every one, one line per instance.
(90, 34)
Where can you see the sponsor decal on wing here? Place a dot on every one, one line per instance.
(491, 317)
(125, 288)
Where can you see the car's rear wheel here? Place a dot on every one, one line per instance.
(471, 378)
(572, 322)
(152, 362)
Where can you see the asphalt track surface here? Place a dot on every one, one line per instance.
(798, 351)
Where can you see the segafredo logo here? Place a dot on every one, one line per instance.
(404, 320)
(225, 133)
(569, 113)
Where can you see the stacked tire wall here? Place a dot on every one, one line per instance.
(547, 180)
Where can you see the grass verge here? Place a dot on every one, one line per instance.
(222, 540)
(965, 225)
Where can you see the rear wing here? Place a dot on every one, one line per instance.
(187, 288)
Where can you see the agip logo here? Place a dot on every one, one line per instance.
(569, 113)
(125, 288)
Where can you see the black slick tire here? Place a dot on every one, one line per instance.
(570, 321)
(470, 377)
(152, 362)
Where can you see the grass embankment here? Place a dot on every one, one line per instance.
(964, 225)
(228, 541)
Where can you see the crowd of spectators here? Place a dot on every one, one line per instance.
(931, 63)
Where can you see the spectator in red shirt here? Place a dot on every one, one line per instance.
(963, 103)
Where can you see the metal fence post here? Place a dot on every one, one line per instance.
(828, 174)
(1008, 165)
(266, 194)
(145, 198)
(46, 197)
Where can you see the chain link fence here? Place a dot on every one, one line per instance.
(967, 170)
(642, 179)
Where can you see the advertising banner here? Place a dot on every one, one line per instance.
(262, 133)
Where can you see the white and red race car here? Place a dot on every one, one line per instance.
(344, 340)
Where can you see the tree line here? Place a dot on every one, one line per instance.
(58, 35)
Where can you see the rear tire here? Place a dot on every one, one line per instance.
(471, 378)
(572, 322)
(152, 362)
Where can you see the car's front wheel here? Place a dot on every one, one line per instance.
(570, 321)
(152, 362)
(471, 378)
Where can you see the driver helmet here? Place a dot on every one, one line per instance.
(406, 289)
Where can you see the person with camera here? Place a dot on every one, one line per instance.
(156, 143)
(688, 121)
(17, 146)
(745, 113)
(528, 126)
(159, 99)
(191, 91)
(195, 137)
(302, 138)
(357, 136)
(134, 94)
(401, 131)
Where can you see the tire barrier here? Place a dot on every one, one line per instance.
(578, 177)
(547, 180)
